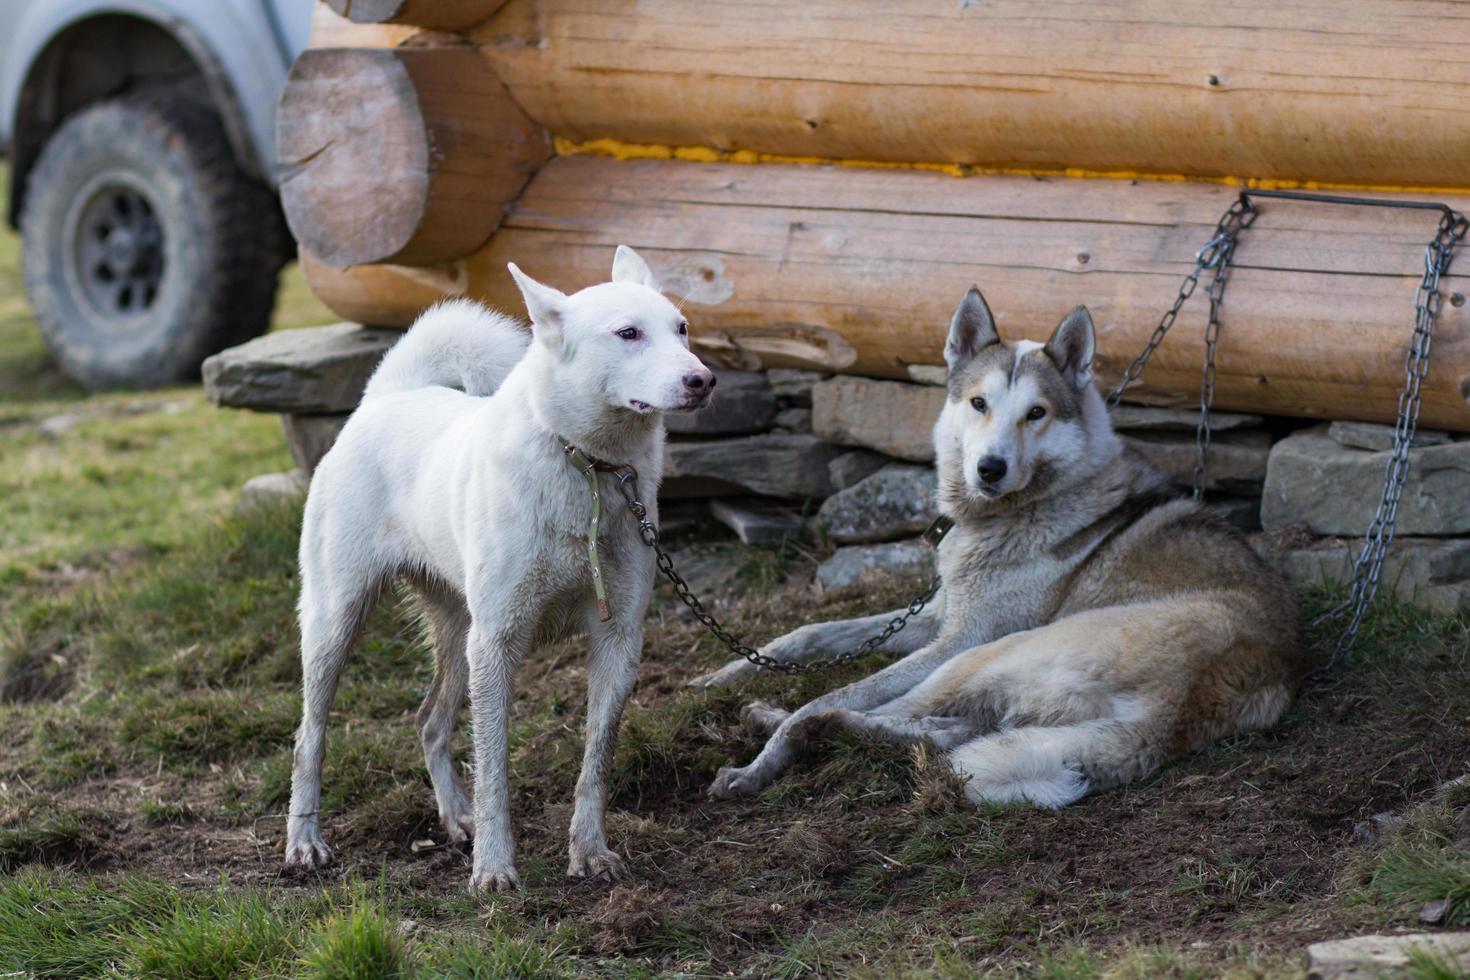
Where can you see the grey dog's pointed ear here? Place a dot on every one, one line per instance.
(1072, 347)
(971, 330)
(628, 266)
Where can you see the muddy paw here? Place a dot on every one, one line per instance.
(731, 783)
(492, 882)
(603, 863)
(308, 852)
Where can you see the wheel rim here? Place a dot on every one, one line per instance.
(117, 253)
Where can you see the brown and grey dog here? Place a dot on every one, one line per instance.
(1092, 626)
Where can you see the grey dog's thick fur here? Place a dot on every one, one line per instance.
(1092, 626)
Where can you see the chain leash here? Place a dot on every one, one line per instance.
(1215, 256)
(1368, 568)
(627, 478)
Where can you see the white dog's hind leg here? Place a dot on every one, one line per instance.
(493, 655)
(1052, 766)
(827, 639)
(611, 671)
(330, 622)
(449, 624)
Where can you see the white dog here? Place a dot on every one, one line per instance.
(471, 496)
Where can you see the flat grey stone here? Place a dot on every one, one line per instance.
(1145, 417)
(853, 565)
(312, 371)
(776, 464)
(1432, 573)
(1379, 438)
(755, 522)
(269, 489)
(1236, 461)
(794, 419)
(893, 417)
(1314, 480)
(712, 572)
(853, 466)
(895, 502)
(793, 386)
(743, 402)
(1373, 957)
(310, 436)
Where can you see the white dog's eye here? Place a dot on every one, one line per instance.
(979, 403)
(629, 333)
(683, 327)
(1037, 412)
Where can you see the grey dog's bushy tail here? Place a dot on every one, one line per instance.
(455, 344)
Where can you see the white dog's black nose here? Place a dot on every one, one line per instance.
(699, 381)
(992, 469)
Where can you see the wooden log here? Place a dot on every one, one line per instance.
(1354, 91)
(331, 30)
(443, 15)
(858, 270)
(403, 155)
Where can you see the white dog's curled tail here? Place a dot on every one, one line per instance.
(455, 344)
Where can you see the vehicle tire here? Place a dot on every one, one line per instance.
(144, 247)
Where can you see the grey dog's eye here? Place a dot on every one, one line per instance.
(1037, 412)
(628, 333)
(979, 403)
(683, 327)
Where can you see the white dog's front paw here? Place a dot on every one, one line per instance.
(596, 862)
(732, 782)
(733, 671)
(459, 822)
(494, 880)
(306, 849)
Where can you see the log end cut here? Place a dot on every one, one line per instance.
(404, 155)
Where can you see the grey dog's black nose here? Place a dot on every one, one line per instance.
(699, 381)
(992, 469)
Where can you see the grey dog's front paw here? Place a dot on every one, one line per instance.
(732, 672)
(762, 717)
(733, 782)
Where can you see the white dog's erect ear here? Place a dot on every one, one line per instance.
(546, 306)
(1072, 347)
(971, 330)
(628, 266)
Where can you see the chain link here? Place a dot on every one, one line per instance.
(627, 479)
(1215, 256)
(1368, 568)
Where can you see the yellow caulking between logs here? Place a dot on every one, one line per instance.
(619, 150)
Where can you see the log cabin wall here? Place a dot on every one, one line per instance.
(885, 139)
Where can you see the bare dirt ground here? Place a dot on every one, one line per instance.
(865, 858)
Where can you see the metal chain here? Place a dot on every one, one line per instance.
(628, 485)
(1368, 568)
(1215, 256)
